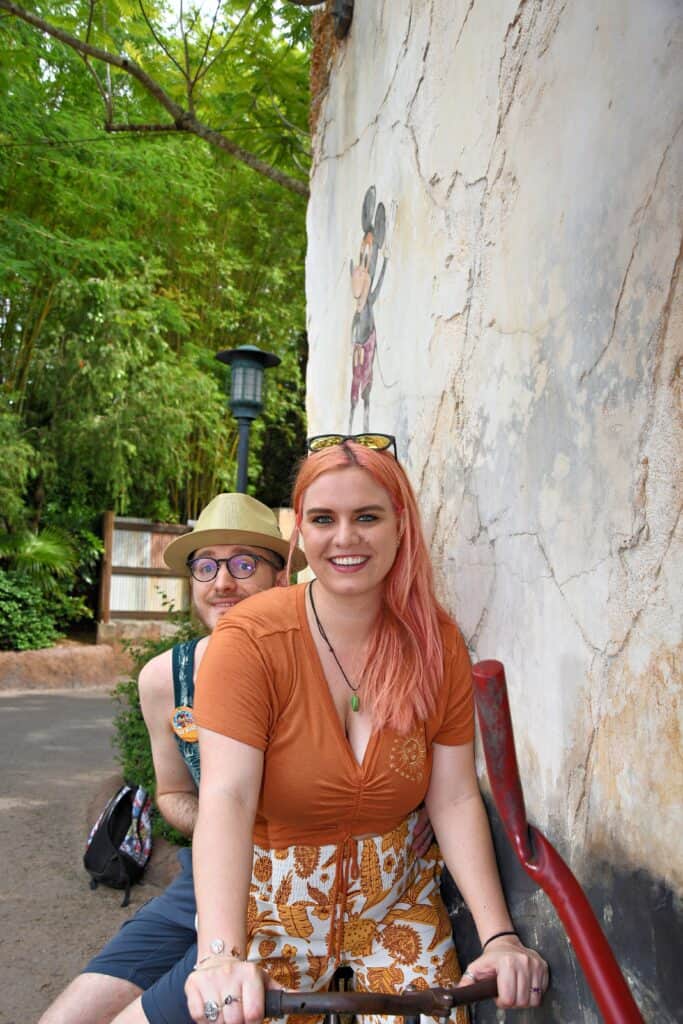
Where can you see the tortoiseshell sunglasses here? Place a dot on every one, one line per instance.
(379, 442)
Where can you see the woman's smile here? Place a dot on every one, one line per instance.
(349, 563)
(350, 530)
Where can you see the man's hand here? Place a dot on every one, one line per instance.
(423, 836)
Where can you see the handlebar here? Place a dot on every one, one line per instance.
(435, 1002)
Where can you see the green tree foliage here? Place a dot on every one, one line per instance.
(165, 56)
(15, 467)
(128, 259)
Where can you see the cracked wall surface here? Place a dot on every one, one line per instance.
(530, 160)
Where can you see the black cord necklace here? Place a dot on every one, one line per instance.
(355, 699)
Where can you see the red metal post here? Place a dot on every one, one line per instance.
(539, 858)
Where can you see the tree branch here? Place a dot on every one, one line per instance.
(159, 128)
(106, 97)
(159, 41)
(91, 12)
(189, 84)
(281, 117)
(183, 120)
(221, 50)
(209, 37)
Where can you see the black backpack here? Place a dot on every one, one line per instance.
(120, 841)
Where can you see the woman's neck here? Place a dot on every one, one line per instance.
(349, 618)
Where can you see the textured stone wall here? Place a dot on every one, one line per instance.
(519, 329)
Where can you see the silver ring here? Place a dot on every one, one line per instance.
(211, 1010)
(231, 999)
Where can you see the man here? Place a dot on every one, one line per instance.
(235, 550)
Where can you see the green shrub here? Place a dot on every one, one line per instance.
(27, 618)
(68, 608)
(38, 570)
(131, 739)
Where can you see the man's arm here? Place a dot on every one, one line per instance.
(176, 793)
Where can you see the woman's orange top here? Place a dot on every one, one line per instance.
(261, 682)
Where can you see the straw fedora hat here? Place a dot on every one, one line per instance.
(232, 519)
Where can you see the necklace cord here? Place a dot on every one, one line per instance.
(331, 649)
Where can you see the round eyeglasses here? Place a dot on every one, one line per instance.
(240, 567)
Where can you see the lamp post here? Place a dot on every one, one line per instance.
(246, 402)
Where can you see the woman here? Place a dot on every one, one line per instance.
(328, 711)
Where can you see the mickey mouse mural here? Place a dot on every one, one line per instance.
(365, 292)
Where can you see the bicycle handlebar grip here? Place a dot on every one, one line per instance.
(436, 1002)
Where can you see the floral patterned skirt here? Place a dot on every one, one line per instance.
(368, 903)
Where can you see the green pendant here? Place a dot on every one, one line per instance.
(355, 702)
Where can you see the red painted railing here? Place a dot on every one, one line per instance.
(539, 858)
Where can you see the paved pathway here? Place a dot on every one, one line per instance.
(55, 750)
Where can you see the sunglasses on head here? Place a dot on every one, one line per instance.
(378, 442)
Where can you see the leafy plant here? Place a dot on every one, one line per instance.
(36, 603)
(42, 556)
(26, 618)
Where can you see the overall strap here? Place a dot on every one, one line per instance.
(185, 733)
(183, 673)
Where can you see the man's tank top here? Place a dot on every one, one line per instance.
(184, 728)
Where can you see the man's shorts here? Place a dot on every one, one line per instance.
(157, 948)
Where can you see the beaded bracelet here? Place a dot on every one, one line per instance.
(498, 935)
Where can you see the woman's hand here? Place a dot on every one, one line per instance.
(228, 991)
(521, 973)
(423, 836)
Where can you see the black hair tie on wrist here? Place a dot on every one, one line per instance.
(498, 935)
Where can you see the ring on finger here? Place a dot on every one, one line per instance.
(231, 999)
(211, 1010)
(535, 989)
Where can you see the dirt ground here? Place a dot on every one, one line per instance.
(57, 767)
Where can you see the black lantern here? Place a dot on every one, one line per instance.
(246, 390)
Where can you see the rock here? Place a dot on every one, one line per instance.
(68, 665)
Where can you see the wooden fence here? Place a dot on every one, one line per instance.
(136, 583)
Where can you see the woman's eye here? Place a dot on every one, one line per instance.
(322, 520)
(367, 517)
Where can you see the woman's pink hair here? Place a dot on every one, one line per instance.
(403, 668)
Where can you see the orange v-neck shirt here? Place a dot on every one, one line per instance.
(261, 682)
